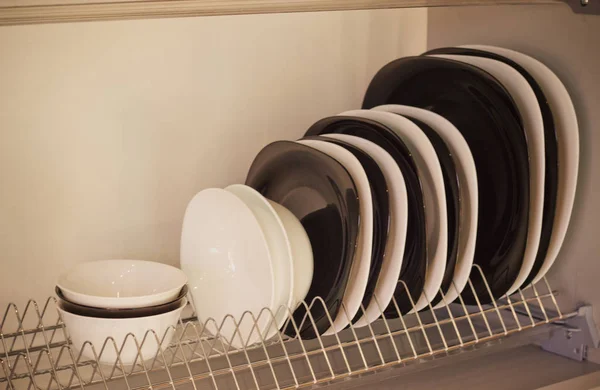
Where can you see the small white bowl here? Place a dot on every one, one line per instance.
(226, 255)
(120, 284)
(96, 330)
(281, 256)
(302, 256)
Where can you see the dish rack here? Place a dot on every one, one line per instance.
(35, 352)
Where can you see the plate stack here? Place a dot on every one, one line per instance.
(121, 312)
(455, 181)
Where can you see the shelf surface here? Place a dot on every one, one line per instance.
(55, 11)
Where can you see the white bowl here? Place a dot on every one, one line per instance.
(281, 256)
(122, 284)
(302, 256)
(359, 272)
(227, 258)
(84, 330)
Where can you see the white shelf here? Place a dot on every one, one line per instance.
(56, 11)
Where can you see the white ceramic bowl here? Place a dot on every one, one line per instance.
(281, 256)
(302, 256)
(121, 284)
(226, 256)
(96, 331)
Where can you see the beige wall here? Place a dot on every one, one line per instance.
(107, 129)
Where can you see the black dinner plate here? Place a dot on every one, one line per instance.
(550, 145)
(484, 112)
(452, 201)
(319, 191)
(415, 255)
(381, 214)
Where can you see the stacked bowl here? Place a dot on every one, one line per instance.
(121, 311)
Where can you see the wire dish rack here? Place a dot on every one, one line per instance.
(35, 351)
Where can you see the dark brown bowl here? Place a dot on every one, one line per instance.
(88, 311)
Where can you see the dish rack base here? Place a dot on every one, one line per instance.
(35, 352)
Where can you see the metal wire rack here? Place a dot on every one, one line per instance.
(36, 353)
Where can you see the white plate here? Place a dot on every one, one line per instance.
(226, 257)
(467, 187)
(533, 125)
(302, 256)
(281, 253)
(394, 248)
(122, 284)
(567, 134)
(359, 272)
(434, 196)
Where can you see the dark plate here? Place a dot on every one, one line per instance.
(550, 145)
(452, 202)
(88, 311)
(321, 194)
(483, 111)
(415, 260)
(381, 214)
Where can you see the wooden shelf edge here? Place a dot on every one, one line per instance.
(76, 11)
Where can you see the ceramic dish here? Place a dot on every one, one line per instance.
(302, 257)
(120, 284)
(398, 211)
(359, 273)
(320, 192)
(467, 185)
(452, 201)
(484, 112)
(381, 214)
(88, 311)
(434, 196)
(531, 115)
(567, 133)
(152, 333)
(227, 258)
(550, 148)
(281, 255)
(412, 274)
